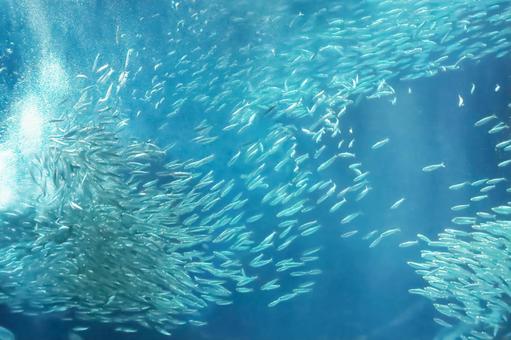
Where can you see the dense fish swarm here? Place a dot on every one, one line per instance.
(468, 268)
(469, 275)
(124, 230)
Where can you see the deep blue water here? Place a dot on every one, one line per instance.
(363, 292)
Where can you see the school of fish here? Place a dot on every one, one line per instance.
(127, 227)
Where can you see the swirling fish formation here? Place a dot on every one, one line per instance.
(129, 231)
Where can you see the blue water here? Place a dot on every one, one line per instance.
(363, 292)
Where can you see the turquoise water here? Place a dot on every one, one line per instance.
(255, 170)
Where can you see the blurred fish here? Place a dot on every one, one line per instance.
(433, 167)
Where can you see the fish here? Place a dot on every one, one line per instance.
(271, 285)
(310, 231)
(504, 163)
(460, 207)
(337, 205)
(125, 330)
(346, 155)
(433, 167)
(478, 198)
(487, 188)
(485, 215)
(485, 120)
(348, 218)
(442, 323)
(6, 334)
(282, 298)
(375, 242)
(380, 143)
(498, 128)
(460, 101)
(408, 244)
(80, 328)
(361, 176)
(503, 144)
(327, 163)
(479, 182)
(349, 233)
(397, 204)
(370, 234)
(494, 181)
(390, 232)
(423, 238)
(461, 220)
(502, 210)
(363, 193)
(458, 186)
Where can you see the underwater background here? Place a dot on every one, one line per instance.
(255, 169)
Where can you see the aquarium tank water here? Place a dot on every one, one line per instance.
(255, 169)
